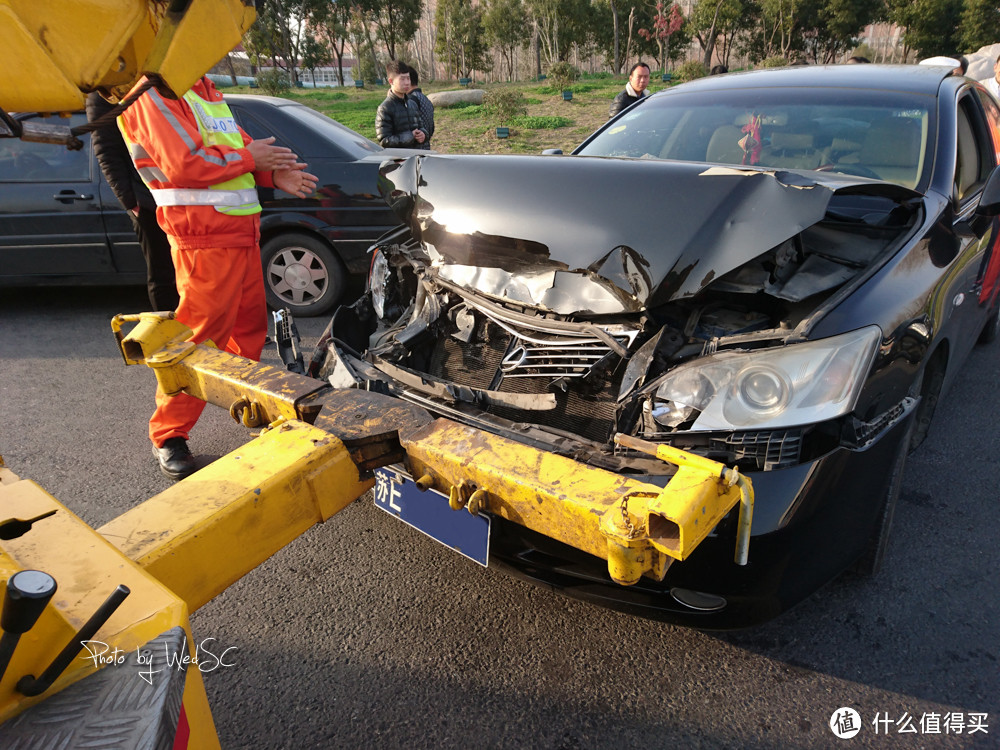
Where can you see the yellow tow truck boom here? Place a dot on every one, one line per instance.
(80, 600)
(55, 55)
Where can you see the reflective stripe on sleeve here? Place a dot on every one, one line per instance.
(149, 174)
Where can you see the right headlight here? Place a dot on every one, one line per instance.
(769, 388)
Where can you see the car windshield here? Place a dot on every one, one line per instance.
(354, 143)
(876, 134)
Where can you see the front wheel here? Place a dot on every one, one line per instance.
(870, 561)
(302, 273)
(929, 389)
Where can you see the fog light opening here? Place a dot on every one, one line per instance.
(698, 600)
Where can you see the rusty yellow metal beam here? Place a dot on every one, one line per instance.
(254, 394)
(637, 527)
(731, 477)
(210, 529)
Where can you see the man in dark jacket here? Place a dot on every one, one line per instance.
(397, 122)
(116, 164)
(424, 106)
(635, 89)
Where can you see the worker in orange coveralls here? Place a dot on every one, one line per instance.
(202, 170)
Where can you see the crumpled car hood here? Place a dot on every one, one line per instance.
(601, 235)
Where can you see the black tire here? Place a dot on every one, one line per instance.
(302, 273)
(930, 391)
(992, 328)
(871, 559)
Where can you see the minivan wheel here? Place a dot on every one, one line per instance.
(302, 273)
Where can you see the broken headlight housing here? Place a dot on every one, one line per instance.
(378, 281)
(792, 385)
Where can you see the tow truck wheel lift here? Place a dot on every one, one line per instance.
(126, 589)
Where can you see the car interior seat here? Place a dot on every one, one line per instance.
(844, 151)
(791, 151)
(891, 149)
(724, 145)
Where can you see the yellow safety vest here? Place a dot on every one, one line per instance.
(218, 128)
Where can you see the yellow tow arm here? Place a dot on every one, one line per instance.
(637, 527)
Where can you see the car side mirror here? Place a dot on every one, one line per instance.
(989, 201)
(551, 151)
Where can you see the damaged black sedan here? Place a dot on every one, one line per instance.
(779, 270)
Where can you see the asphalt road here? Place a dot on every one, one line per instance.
(363, 633)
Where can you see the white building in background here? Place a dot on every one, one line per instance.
(885, 40)
(326, 76)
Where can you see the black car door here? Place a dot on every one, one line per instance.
(50, 210)
(975, 160)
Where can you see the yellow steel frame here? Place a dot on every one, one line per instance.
(87, 568)
(48, 68)
(235, 513)
(637, 527)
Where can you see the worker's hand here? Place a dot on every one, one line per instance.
(267, 156)
(296, 180)
(420, 136)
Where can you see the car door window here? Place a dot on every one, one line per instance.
(21, 161)
(993, 121)
(257, 129)
(975, 150)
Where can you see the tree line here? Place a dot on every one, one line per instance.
(512, 39)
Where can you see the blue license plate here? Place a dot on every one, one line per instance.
(429, 512)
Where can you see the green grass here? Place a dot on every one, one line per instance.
(467, 111)
(580, 88)
(536, 122)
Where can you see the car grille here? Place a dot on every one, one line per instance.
(519, 357)
(536, 351)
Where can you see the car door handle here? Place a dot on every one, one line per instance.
(68, 196)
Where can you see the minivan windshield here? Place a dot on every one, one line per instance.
(877, 134)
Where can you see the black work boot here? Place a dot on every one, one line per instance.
(175, 459)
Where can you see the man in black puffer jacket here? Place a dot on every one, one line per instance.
(635, 89)
(424, 106)
(397, 122)
(116, 164)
